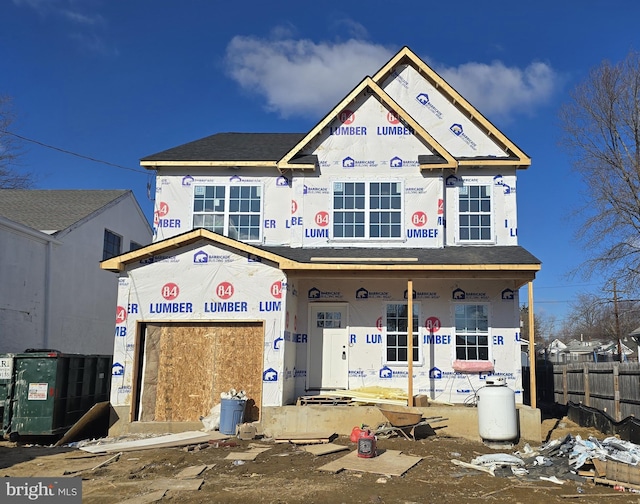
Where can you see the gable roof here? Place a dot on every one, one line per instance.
(406, 56)
(54, 210)
(442, 158)
(285, 150)
(508, 262)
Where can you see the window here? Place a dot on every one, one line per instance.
(367, 210)
(329, 319)
(134, 246)
(472, 332)
(397, 337)
(474, 205)
(233, 211)
(112, 245)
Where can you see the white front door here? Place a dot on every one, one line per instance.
(327, 360)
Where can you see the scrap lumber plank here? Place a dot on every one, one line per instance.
(389, 463)
(192, 472)
(170, 440)
(250, 454)
(175, 484)
(324, 449)
(305, 437)
(146, 498)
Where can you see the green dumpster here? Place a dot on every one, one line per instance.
(45, 392)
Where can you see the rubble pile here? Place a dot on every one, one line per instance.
(611, 461)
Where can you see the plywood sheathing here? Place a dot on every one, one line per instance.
(188, 366)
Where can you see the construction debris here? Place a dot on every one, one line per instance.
(612, 461)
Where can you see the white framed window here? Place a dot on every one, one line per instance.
(397, 334)
(367, 210)
(474, 213)
(230, 210)
(472, 331)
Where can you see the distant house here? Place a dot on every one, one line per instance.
(53, 293)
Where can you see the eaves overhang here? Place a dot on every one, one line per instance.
(521, 266)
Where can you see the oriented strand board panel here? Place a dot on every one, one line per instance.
(185, 373)
(188, 365)
(390, 462)
(239, 363)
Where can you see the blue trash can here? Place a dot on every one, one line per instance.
(231, 415)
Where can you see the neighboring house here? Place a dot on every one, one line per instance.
(53, 293)
(287, 264)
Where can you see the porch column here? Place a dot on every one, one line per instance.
(532, 349)
(410, 342)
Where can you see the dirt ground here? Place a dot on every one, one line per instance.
(285, 473)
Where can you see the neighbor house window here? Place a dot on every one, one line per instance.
(397, 337)
(367, 210)
(472, 331)
(112, 245)
(234, 211)
(474, 205)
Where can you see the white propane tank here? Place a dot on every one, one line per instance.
(497, 415)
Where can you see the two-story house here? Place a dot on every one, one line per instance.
(53, 293)
(376, 250)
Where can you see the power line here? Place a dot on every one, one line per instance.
(65, 151)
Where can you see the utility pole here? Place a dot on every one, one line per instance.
(615, 312)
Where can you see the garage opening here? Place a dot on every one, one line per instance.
(184, 367)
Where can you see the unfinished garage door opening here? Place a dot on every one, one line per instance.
(184, 367)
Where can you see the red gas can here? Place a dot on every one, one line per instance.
(366, 445)
(356, 432)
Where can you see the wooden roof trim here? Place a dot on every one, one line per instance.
(285, 162)
(119, 263)
(405, 54)
(414, 267)
(218, 164)
(422, 133)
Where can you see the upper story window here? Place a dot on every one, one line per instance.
(474, 206)
(367, 210)
(234, 211)
(472, 331)
(134, 246)
(112, 245)
(397, 337)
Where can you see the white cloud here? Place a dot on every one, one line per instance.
(500, 91)
(303, 78)
(300, 77)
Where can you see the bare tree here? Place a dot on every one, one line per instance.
(10, 151)
(543, 325)
(601, 130)
(600, 318)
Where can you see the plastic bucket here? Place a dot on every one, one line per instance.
(231, 414)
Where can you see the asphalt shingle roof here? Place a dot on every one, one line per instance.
(53, 210)
(232, 147)
(447, 256)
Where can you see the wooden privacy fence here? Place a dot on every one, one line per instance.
(612, 387)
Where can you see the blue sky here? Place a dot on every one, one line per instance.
(116, 81)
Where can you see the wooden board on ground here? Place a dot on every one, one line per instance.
(146, 498)
(192, 472)
(390, 463)
(305, 437)
(324, 449)
(170, 440)
(174, 484)
(250, 454)
(98, 413)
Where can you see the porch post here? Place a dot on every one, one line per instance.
(532, 349)
(410, 342)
